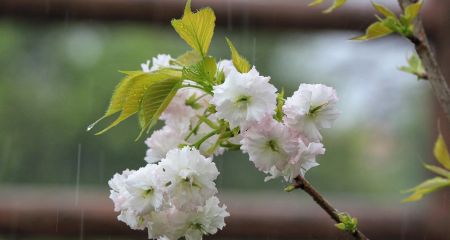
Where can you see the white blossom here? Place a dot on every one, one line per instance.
(133, 220)
(158, 62)
(146, 66)
(170, 223)
(120, 197)
(312, 107)
(163, 140)
(191, 176)
(301, 163)
(226, 66)
(269, 143)
(118, 193)
(207, 220)
(145, 189)
(244, 98)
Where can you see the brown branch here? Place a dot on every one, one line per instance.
(301, 183)
(434, 74)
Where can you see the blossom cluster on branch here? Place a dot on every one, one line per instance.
(208, 107)
(173, 195)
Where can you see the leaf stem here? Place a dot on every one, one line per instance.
(301, 183)
(204, 138)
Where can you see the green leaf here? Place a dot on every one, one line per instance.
(340, 226)
(426, 187)
(240, 63)
(438, 170)
(196, 29)
(347, 223)
(384, 10)
(280, 102)
(119, 96)
(336, 4)
(376, 30)
(412, 11)
(155, 101)
(414, 67)
(441, 152)
(315, 2)
(189, 58)
(203, 72)
(134, 93)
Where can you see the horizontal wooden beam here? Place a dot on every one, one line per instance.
(63, 212)
(230, 13)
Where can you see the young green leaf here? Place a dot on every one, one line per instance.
(202, 73)
(196, 29)
(138, 85)
(188, 58)
(315, 2)
(118, 97)
(426, 187)
(240, 63)
(376, 30)
(155, 101)
(336, 4)
(414, 67)
(441, 152)
(438, 170)
(347, 223)
(383, 10)
(412, 11)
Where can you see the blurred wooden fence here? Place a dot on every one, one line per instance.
(29, 211)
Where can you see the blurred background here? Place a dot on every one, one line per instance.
(59, 62)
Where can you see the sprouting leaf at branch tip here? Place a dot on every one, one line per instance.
(315, 3)
(375, 30)
(289, 188)
(426, 187)
(441, 153)
(438, 170)
(412, 11)
(336, 4)
(383, 10)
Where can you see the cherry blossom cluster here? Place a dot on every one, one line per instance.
(172, 199)
(173, 196)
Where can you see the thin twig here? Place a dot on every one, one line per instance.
(301, 183)
(434, 74)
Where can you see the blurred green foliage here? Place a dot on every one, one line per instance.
(57, 78)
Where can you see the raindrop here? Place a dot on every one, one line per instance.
(57, 219)
(77, 186)
(82, 225)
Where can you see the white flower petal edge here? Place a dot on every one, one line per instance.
(226, 66)
(160, 61)
(244, 98)
(311, 107)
